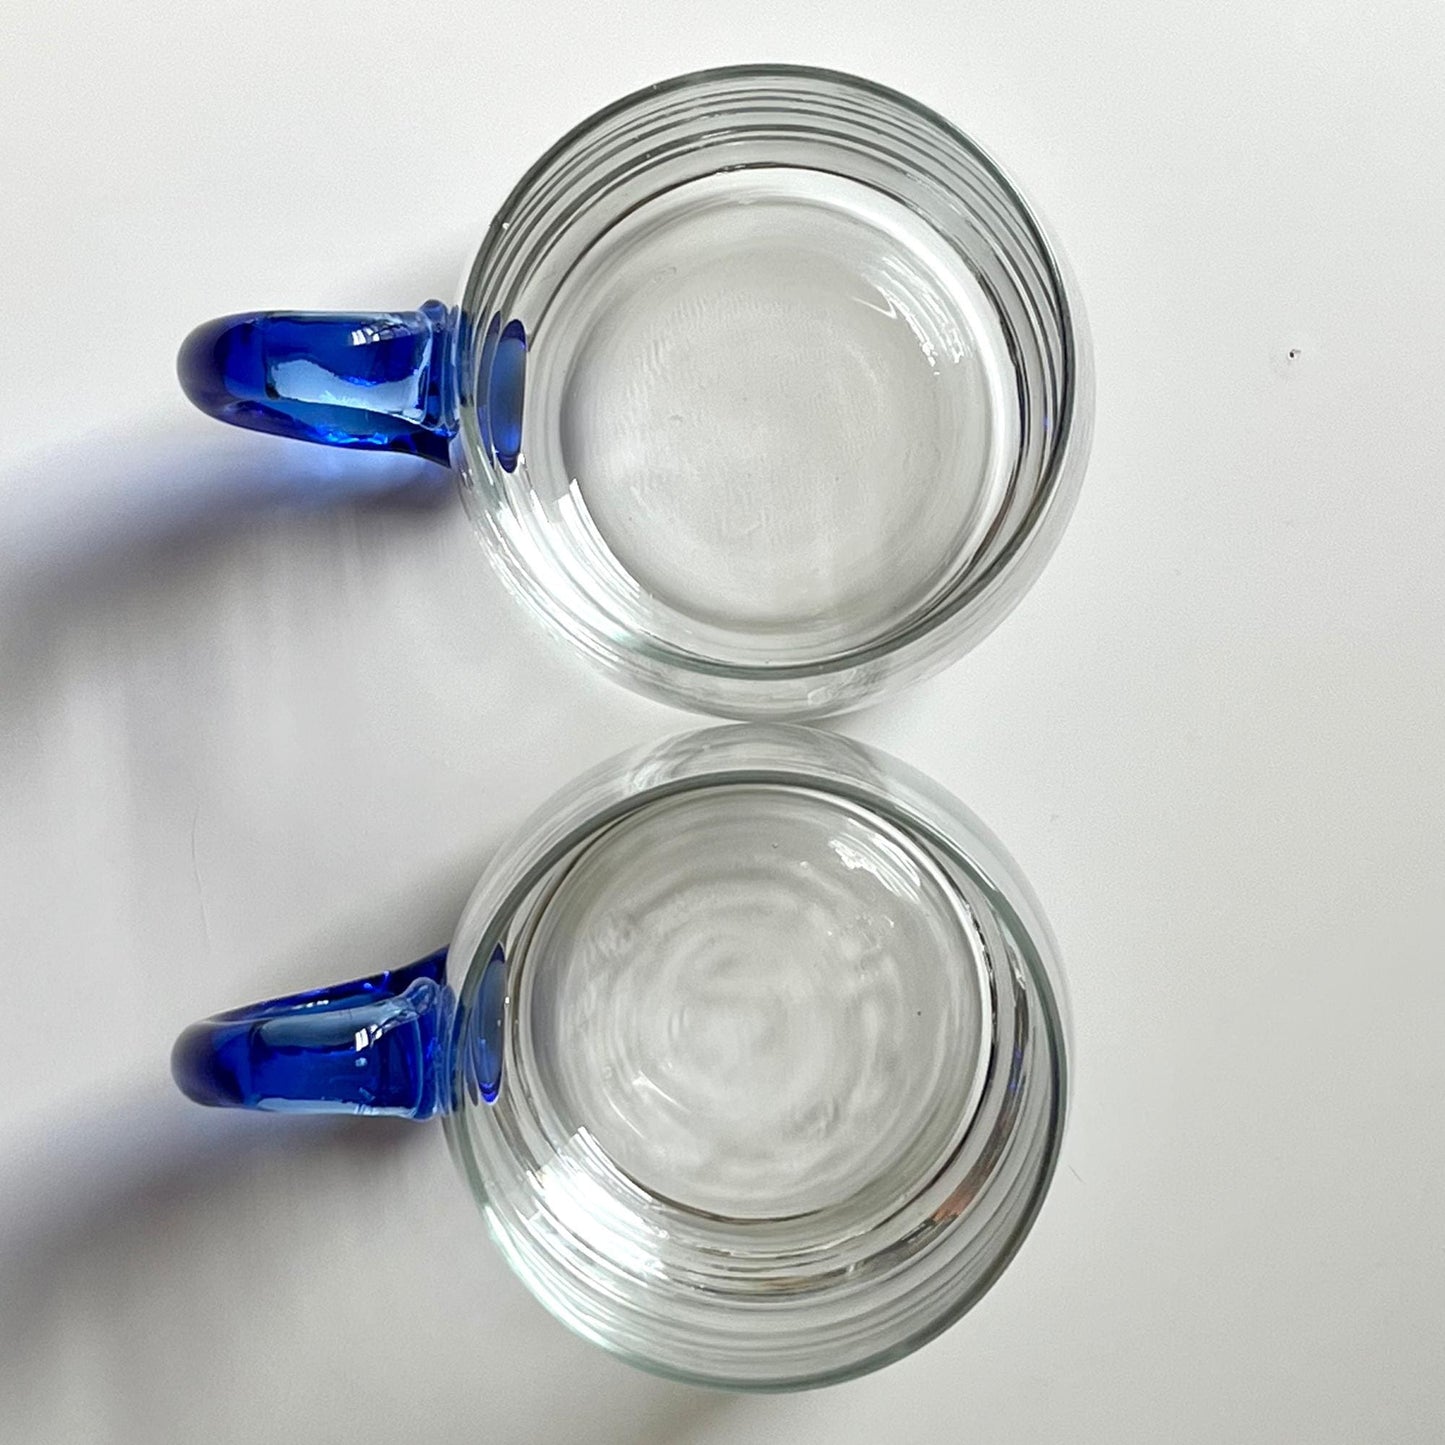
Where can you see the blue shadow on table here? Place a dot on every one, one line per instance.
(168, 1271)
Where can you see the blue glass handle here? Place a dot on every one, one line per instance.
(383, 381)
(378, 1045)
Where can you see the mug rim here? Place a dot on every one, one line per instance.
(641, 659)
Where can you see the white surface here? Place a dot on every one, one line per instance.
(252, 743)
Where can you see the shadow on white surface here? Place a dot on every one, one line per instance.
(106, 511)
(265, 713)
(260, 705)
(87, 522)
(236, 1277)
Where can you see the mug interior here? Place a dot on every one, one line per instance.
(800, 371)
(757, 1003)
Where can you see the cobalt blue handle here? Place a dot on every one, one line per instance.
(378, 1045)
(383, 381)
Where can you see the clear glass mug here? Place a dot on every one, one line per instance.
(749, 1046)
(766, 389)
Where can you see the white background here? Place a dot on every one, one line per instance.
(256, 736)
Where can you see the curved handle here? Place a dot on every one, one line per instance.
(379, 1045)
(380, 381)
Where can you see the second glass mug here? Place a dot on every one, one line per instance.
(750, 1047)
(766, 389)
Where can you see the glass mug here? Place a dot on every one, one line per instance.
(766, 389)
(749, 1046)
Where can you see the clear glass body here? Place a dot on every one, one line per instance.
(806, 394)
(759, 1060)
